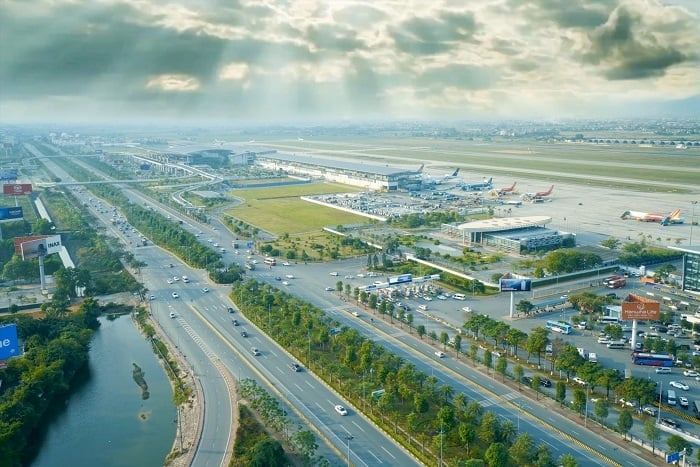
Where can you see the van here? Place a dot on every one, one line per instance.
(671, 397)
(663, 370)
(459, 296)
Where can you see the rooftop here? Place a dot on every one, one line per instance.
(505, 223)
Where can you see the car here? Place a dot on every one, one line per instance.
(355, 313)
(286, 264)
(526, 380)
(360, 275)
(650, 410)
(428, 298)
(547, 383)
(578, 380)
(231, 309)
(679, 385)
(329, 289)
(663, 370)
(216, 245)
(175, 295)
(377, 282)
(278, 278)
(692, 373)
(153, 297)
(235, 322)
(668, 422)
(441, 297)
(334, 273)
(172, 315)
(348, 277)
(340, 409)
(285, 283)
(683, 401)
(254, 351)
(295, 367)
(170, 281)
(604, 340)
(205, 290)
(244, 333)
(627, 403)
(467, 309)
(422, 308)
(289, 276)
(564, 297)
(176, 278)
(440, 354)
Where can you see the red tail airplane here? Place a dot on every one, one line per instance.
(505, 191)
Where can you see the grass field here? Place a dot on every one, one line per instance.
(280, 210)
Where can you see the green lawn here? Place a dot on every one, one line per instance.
(281, 210)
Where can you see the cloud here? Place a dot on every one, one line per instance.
(428, 35)
(173, 83)
(627, 49)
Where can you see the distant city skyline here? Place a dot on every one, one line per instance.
(338, 60)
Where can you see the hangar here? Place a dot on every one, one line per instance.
(510, 234)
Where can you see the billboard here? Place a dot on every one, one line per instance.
(33, 247)
(15, 189)
(515, 285)
(11, 214)
(636, 307)
(9, 344)
(402, 279)
(8, 174)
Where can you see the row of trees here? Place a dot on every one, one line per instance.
(425, 414)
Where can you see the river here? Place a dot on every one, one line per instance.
(105, 422)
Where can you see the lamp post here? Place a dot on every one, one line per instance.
(348, 437)
(692, 221)
(441, 434)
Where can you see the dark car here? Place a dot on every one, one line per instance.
(231, 310)
(545, 382)
(235, 322)
(670, 423)
(244, 334)
(295, 367)
(527, 380)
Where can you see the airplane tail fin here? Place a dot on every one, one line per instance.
(674, 214)
(454, 174)
(420, 169)
(625, 215)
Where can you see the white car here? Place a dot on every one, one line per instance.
(175, 295)
(428, 298)
(334, 273)
(153, 297)
(205, 290)
(440, 354)
(172, 315)
(176, 278)
(341, 410)
(348, 277)
(679, 385)
(355, 313)
(286, 264)
(289, 276)
(690, 373)
(170, 281)
(285, 283)
(683, 401)
(360, 275)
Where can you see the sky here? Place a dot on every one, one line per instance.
(345, 60)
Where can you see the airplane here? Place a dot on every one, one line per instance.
(428, 180)
(508, 190)
(664, 219)
(540, 194)
(485, 185)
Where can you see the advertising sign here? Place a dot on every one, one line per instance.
(9, 344)
(8, 174)
(33, 247)
(20, 240)
(636, 307)
(402, 279)
(16, 189)
(11, 214)
(516, 285)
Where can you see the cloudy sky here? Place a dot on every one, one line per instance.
(293, 60)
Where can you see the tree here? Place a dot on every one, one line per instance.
(536, 343)
(474, 353)
(458, 344)
(568, 360)
(444, 339)
(652, 432)
(496, 455)
(625, 421)
(518, 372)
(525, 307)
(488, 359)
(420, 329)
(676, 444)
(522, 449)
(601, 409)
(579, 401)
(268, 452)
(305, 442)
(502, 365)
(489, 428)
(560, 392)
(567, 460)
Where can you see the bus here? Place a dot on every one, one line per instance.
(652, 359)
(671, 397)
(609, 320)
(270, 261)
(616, 345)
(696, 408)
(558, 326)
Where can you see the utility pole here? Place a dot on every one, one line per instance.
(348, 437)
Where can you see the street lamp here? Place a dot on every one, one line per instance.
(348, 437)
(441, 435)
(692, 221)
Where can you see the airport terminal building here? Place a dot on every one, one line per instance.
(510, 234)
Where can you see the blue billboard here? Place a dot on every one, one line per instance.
(11, 213)
(8, 174)
(516, 285)
(9, 345)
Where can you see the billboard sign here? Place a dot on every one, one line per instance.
(636, 307)
(33, 247)
(11, 214)
(8, 174)
(515, 285)
(402, 279)
(16, 189)
(9, 344)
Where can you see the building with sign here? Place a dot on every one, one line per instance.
(691, 268)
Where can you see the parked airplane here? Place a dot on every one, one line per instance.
(429, 180)
(541, 194)
(664, 219)
(508, 190)
(485, 185)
